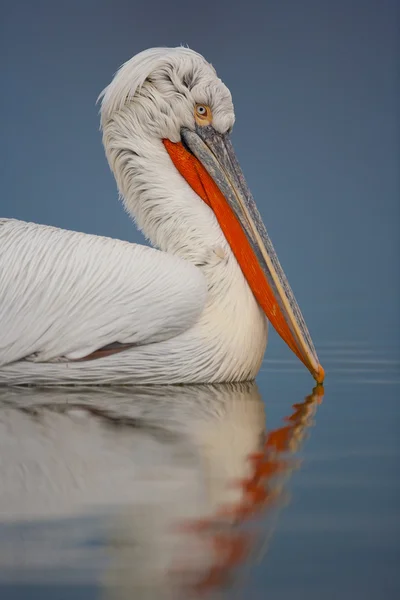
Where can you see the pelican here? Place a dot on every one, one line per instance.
(84, 309)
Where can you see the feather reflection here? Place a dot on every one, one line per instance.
(155, 492)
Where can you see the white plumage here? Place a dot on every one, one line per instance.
(88, 292)
(188, 309)
(65, 294)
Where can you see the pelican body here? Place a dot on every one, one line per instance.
(78, 308)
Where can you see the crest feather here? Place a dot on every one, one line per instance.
(133, 73)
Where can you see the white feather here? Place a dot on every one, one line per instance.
(99, 291)
(66, 294)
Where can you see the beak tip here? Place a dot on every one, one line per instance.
(320, 375)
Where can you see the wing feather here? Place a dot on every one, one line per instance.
(64, 294)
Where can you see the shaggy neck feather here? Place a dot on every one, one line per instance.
(165, 208)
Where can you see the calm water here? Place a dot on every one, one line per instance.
(257, 490)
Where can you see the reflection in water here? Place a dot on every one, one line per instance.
(152, 491)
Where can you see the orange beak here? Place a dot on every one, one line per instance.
(211, 169)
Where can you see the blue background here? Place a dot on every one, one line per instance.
(315, 86)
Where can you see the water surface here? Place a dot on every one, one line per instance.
(231, 491)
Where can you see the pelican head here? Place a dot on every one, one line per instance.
(168, 105)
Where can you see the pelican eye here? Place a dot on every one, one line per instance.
(202, 114)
